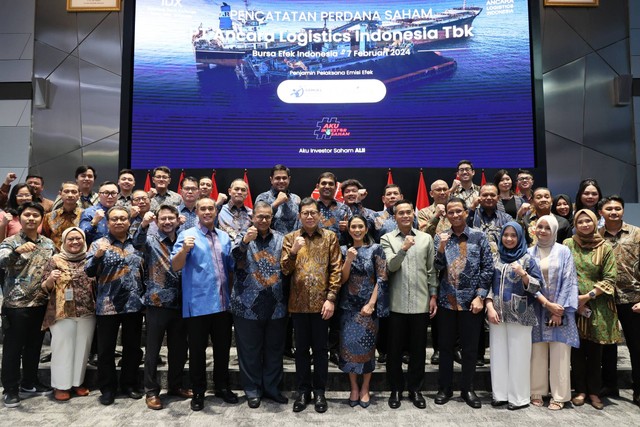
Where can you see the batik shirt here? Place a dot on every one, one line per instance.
(431, 223)
(23, 272)
(285, 216)
(490, 225)
(119, 276)
(330, 217)
(465, 267)
(234, 221)
(169, 198)
(162, 284)
(56, 222)
(368, 269)
(94, 232)
(258, 291)
(190, 217)
(315, 270)
(626, 247)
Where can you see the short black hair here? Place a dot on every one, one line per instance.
(125, 171)
(308, 201)
(456, 199)
(164, 169)
(329, 175)
(32, 205)
(280, 167)
(465, 162)
(170, 208)
(35, 176)
(611, 198)
(351, 183)
(402, 202)
(82, 169)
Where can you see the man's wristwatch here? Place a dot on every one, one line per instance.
(592, 294)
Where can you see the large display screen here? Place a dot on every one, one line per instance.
(332, 84)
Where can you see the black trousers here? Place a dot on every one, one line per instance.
(610, 366)
(467, 326)
(107, 330)
(407, 331)
(160, 320)
(311, 332)
(383, 335)
(200, 328)
(586, 367)
(22, 343)
(631, 327)
(260, 350)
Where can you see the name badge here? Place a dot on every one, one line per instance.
(68, 294)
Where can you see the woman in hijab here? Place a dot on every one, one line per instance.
(597, 318)
(563, 206)
(70, 314)
(556, 331)
(511, 315)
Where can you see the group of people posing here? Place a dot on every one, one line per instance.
(553, 280)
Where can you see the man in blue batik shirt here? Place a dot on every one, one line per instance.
(282, 201)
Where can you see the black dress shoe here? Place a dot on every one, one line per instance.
(417, 399)
(107, 398)
(197, 402)
(443, 396)
(636, 398)
(253, 402)
(227, 395)
(471, 399)
(46, 358)
(395, 399)
(496, 403)
(320, 403)
(132, 393)
(513, 407)
(480, 363)
(290, 353)
(301, 402)
(93, 360)
(382, 358)
(435, 359)
(333, 358)
(278, 398)
(405, 358)
(457, 356)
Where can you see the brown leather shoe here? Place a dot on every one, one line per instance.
(81, 391)
(61, 395)
(154, 402)
(185, 393)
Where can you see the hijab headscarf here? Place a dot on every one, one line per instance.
(553, 225)
(67, 256)
(510, 255)
(554, 206)
(587, 241)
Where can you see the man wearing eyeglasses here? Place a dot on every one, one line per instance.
(311, 256)
(259, 308)
(93, 220)
(525, 185)
(160, 193)
(118, 268)
(187, 209)
(463, 186)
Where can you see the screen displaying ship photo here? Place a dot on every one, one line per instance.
(332, 84)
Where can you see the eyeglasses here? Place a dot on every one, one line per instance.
(190, 189)
(140, 199)
(464, 169)
(525, 178)
(309, 213)
(162, 177)
(109, 193)
(119, 219)
(263, 217)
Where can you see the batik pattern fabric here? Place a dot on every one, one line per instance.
(74, 277)
(119, 276)
(23, 272)
(626, 247)
(285, 216)
(602, 326)
(314, 270)
(235, 221)
(258, 291)
(57, 221)
(358, 333)
(465, 269)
